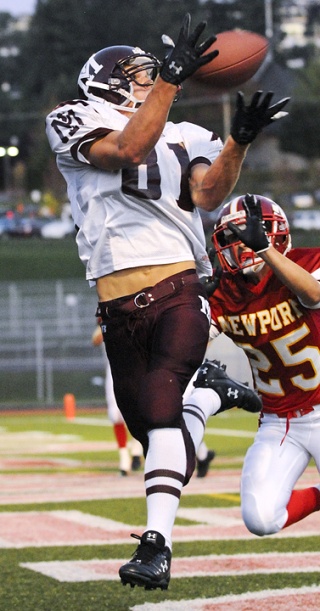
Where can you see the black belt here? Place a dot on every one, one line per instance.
(147, 296)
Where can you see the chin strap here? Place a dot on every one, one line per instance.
(126, 94)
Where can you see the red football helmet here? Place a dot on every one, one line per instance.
(233, 259)
(109, 74)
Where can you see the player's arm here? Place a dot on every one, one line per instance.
(131, 146)
(210, 186)
(297, 279)
(254, 235)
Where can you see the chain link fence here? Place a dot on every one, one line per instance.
(46, 350)
(45, 336)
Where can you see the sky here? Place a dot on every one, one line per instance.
(17, 7)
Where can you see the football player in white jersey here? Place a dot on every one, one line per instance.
(268, 303)
(135, 182)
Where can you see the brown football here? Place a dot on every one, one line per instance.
(241, 53)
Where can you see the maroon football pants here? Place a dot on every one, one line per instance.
(154, 350)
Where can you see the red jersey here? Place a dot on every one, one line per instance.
(280, 336)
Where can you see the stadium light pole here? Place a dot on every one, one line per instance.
(268, 19)
(6, 153)
(268, 31)
(268, 26)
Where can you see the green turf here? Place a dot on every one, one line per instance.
(55, 422)
(36, 259)
(38, 593)
(20, 388)
(22, 589)
(25, 590)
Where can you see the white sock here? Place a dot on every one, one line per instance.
(164, 472)
(202, 452)
(197, 407)
(124, 460)
(135, 447)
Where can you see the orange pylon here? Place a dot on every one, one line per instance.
(69, 405)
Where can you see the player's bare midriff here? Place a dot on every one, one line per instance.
(129, 281)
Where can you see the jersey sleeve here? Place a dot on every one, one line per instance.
(72, 124)
(203, 146)
(309, 259)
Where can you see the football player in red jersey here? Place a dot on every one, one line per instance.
(135, 182)
(268, 303)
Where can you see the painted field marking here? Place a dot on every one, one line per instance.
(16, 488)
(230, 433)
(195, 566)
(293, 599)
(71, 527)
(209, 430)
(22, 445)
(93, 421)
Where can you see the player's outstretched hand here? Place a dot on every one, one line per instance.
(186, 56)
(249, 120)
(254, 234)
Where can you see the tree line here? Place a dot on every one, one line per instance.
(41, 65)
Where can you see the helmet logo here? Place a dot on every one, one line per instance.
(137, 51)
(114, 81)
(231, 217)
(90, 69)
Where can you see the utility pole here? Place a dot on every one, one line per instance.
(268, 24)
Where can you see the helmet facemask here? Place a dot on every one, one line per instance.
(110, 74)
(232, 254)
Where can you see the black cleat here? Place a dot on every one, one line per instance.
(203, 465)
(150, 563)
(231, 392)
(136, 463)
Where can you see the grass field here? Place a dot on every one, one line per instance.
(36, 259)
(65, 526)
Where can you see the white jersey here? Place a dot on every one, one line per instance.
(134, 216)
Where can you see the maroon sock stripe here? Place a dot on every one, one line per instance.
(164, 490)
(164, 473)
(193, 412)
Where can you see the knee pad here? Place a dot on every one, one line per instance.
(259, 518)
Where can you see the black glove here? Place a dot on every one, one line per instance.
(254, 235)
(212, 255)
(186, 57)
(249, 120)
(211, 283)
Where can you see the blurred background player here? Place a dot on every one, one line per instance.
(130, 452)
(204, 459)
